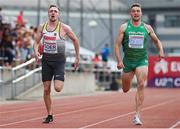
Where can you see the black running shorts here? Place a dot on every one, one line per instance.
(52, 69)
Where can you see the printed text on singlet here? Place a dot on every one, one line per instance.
(50, 44)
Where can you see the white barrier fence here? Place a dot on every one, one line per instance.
(15, 81)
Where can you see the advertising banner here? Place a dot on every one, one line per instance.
(164, 73)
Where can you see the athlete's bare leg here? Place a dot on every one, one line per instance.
(47, 97)
(58, 85)
(127, 80)
(141, 74)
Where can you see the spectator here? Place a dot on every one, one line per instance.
(7, 45)
(105, 52)
(1, 17)
(28, 44)
(21, 47)
(1, 24)
(20, 19)
(96, 61)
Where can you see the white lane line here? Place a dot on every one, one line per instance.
(65, 113)
(85, 109)
(123, 115)
(41, 107)
(175, 125)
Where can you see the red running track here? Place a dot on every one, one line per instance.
(105, 110)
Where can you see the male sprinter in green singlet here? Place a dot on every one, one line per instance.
(133, 38)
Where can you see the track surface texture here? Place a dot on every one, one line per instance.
(161, 109)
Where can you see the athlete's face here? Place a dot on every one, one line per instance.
(136, 13)
(53, 14)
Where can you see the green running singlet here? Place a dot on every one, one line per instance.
(135, 47)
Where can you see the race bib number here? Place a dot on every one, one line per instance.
(50, 48)
(136, 41)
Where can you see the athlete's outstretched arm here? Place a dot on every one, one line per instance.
(37, 43)
(156, 41)
(118, 43)
(75, 41)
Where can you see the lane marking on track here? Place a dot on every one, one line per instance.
(65, 113)
(175, 125)
(123, 115)
(41, 107)
(85, 109)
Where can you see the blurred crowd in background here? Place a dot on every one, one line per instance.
(16, 41)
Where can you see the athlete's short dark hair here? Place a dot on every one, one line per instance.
(53, 5)
(135, 5)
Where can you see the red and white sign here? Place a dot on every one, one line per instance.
(164, 73)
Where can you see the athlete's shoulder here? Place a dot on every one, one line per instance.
(65, 26)
(123, 26)
(40, 31)
(148, 28)
(146, 25)
(42, 25)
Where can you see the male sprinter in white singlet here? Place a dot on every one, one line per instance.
(53, 34)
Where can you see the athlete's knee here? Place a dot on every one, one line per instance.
(58, 88)
(47, 91)
(47, 88)
(141, 86)
(125, 90)
(58, 85)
